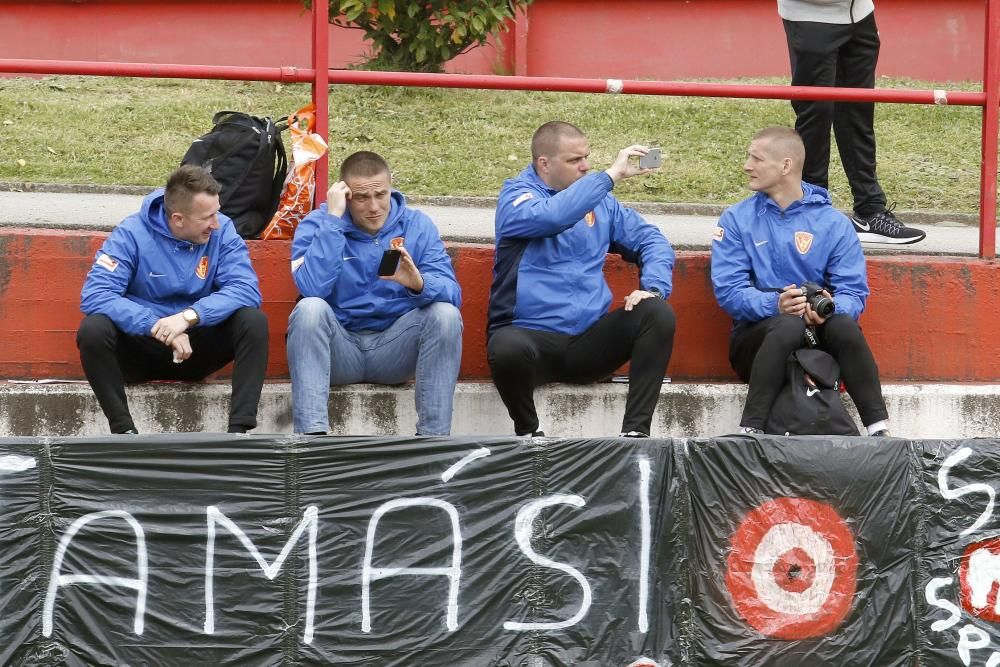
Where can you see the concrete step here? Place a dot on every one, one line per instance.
(566, 411)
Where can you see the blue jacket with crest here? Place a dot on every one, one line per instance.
(548, 272)
(758, 249)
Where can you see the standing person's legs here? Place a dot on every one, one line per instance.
(645, 337)
(812, 53)
(520, 360)
(842, 338)
(758, 352)
(854, 122)
(427, 343)
(318, 346)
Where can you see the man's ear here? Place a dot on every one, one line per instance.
(786, 166)
(542, 164)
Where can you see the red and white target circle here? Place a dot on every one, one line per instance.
(792, 571)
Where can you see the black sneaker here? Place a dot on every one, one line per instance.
(884, 433)
(751, 430)
(885, 227)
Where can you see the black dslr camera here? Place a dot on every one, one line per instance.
(821, 304)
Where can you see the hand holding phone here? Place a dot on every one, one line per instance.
(651, 160)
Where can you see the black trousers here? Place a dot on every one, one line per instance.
(110, 358)
(758, 352)
(522, 359)
(828, 54)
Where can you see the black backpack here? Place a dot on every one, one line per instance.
(245, 155)
(809, 403)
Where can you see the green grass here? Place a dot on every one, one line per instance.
(454, 142)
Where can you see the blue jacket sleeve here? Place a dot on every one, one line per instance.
(732, 274)
(525, 213)
(644, 243)
(235, 283)
(847, 274)
(108, 280)
(317, 252)
(435, 267)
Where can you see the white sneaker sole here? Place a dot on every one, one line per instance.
(868, 237)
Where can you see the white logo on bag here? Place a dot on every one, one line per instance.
(810, 392)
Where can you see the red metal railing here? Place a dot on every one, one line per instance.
(320, 77)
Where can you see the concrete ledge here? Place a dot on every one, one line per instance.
(928, 411)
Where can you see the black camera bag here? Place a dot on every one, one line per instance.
(810, 403)
(245, 155)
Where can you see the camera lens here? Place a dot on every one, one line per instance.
(823, 305)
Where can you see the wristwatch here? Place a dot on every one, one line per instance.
(190, 316)
(655, 292)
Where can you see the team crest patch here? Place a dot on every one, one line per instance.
(107, 262)
(396, 243)
(590, 218)
(718, 233)
(202, 270)
(803, 241)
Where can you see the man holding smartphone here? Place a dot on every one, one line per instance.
(380, 300)
(548, 316)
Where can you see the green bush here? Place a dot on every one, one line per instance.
(420, 36)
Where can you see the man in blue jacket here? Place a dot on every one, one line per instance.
(353, 325)
(548, 317)
(763, 250)
(172, 296)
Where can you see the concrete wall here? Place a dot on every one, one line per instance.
(929, 318)
(566, 411)
(627, 39)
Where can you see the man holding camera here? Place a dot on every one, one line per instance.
(380, 300)
(548, 317)
(765, 250)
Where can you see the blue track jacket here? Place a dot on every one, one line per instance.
(758, 248)
(338, 262)
(548, 273)
(143, 273)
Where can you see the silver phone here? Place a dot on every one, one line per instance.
(650, 160)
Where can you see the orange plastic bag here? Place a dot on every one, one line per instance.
(300, 184)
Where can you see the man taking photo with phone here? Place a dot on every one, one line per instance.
(548, 317)
(369, 314)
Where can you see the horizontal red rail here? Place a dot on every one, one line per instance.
(495, 82)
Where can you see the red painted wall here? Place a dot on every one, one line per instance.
(929, 318)
(626, 39)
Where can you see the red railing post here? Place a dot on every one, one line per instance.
(991, 129)
(321, 90)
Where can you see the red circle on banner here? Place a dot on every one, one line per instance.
(792, 568)
(795, 570)
(979, 579)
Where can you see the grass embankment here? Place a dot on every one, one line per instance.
(455, 142)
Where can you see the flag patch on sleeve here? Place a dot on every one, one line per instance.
(718, 233)
(523, 198)
(108, 262)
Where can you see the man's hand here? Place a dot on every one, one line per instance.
(167, 329)
(792, 301)
(336, 198)
(623, 168)
(182, 348)
(633, 299)
(811, 317)
(407, 274)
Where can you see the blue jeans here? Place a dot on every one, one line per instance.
(425, 343)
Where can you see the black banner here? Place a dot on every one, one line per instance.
(220, 550)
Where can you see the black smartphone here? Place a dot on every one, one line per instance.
(389, 263)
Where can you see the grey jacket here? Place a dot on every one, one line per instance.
(825, 11)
